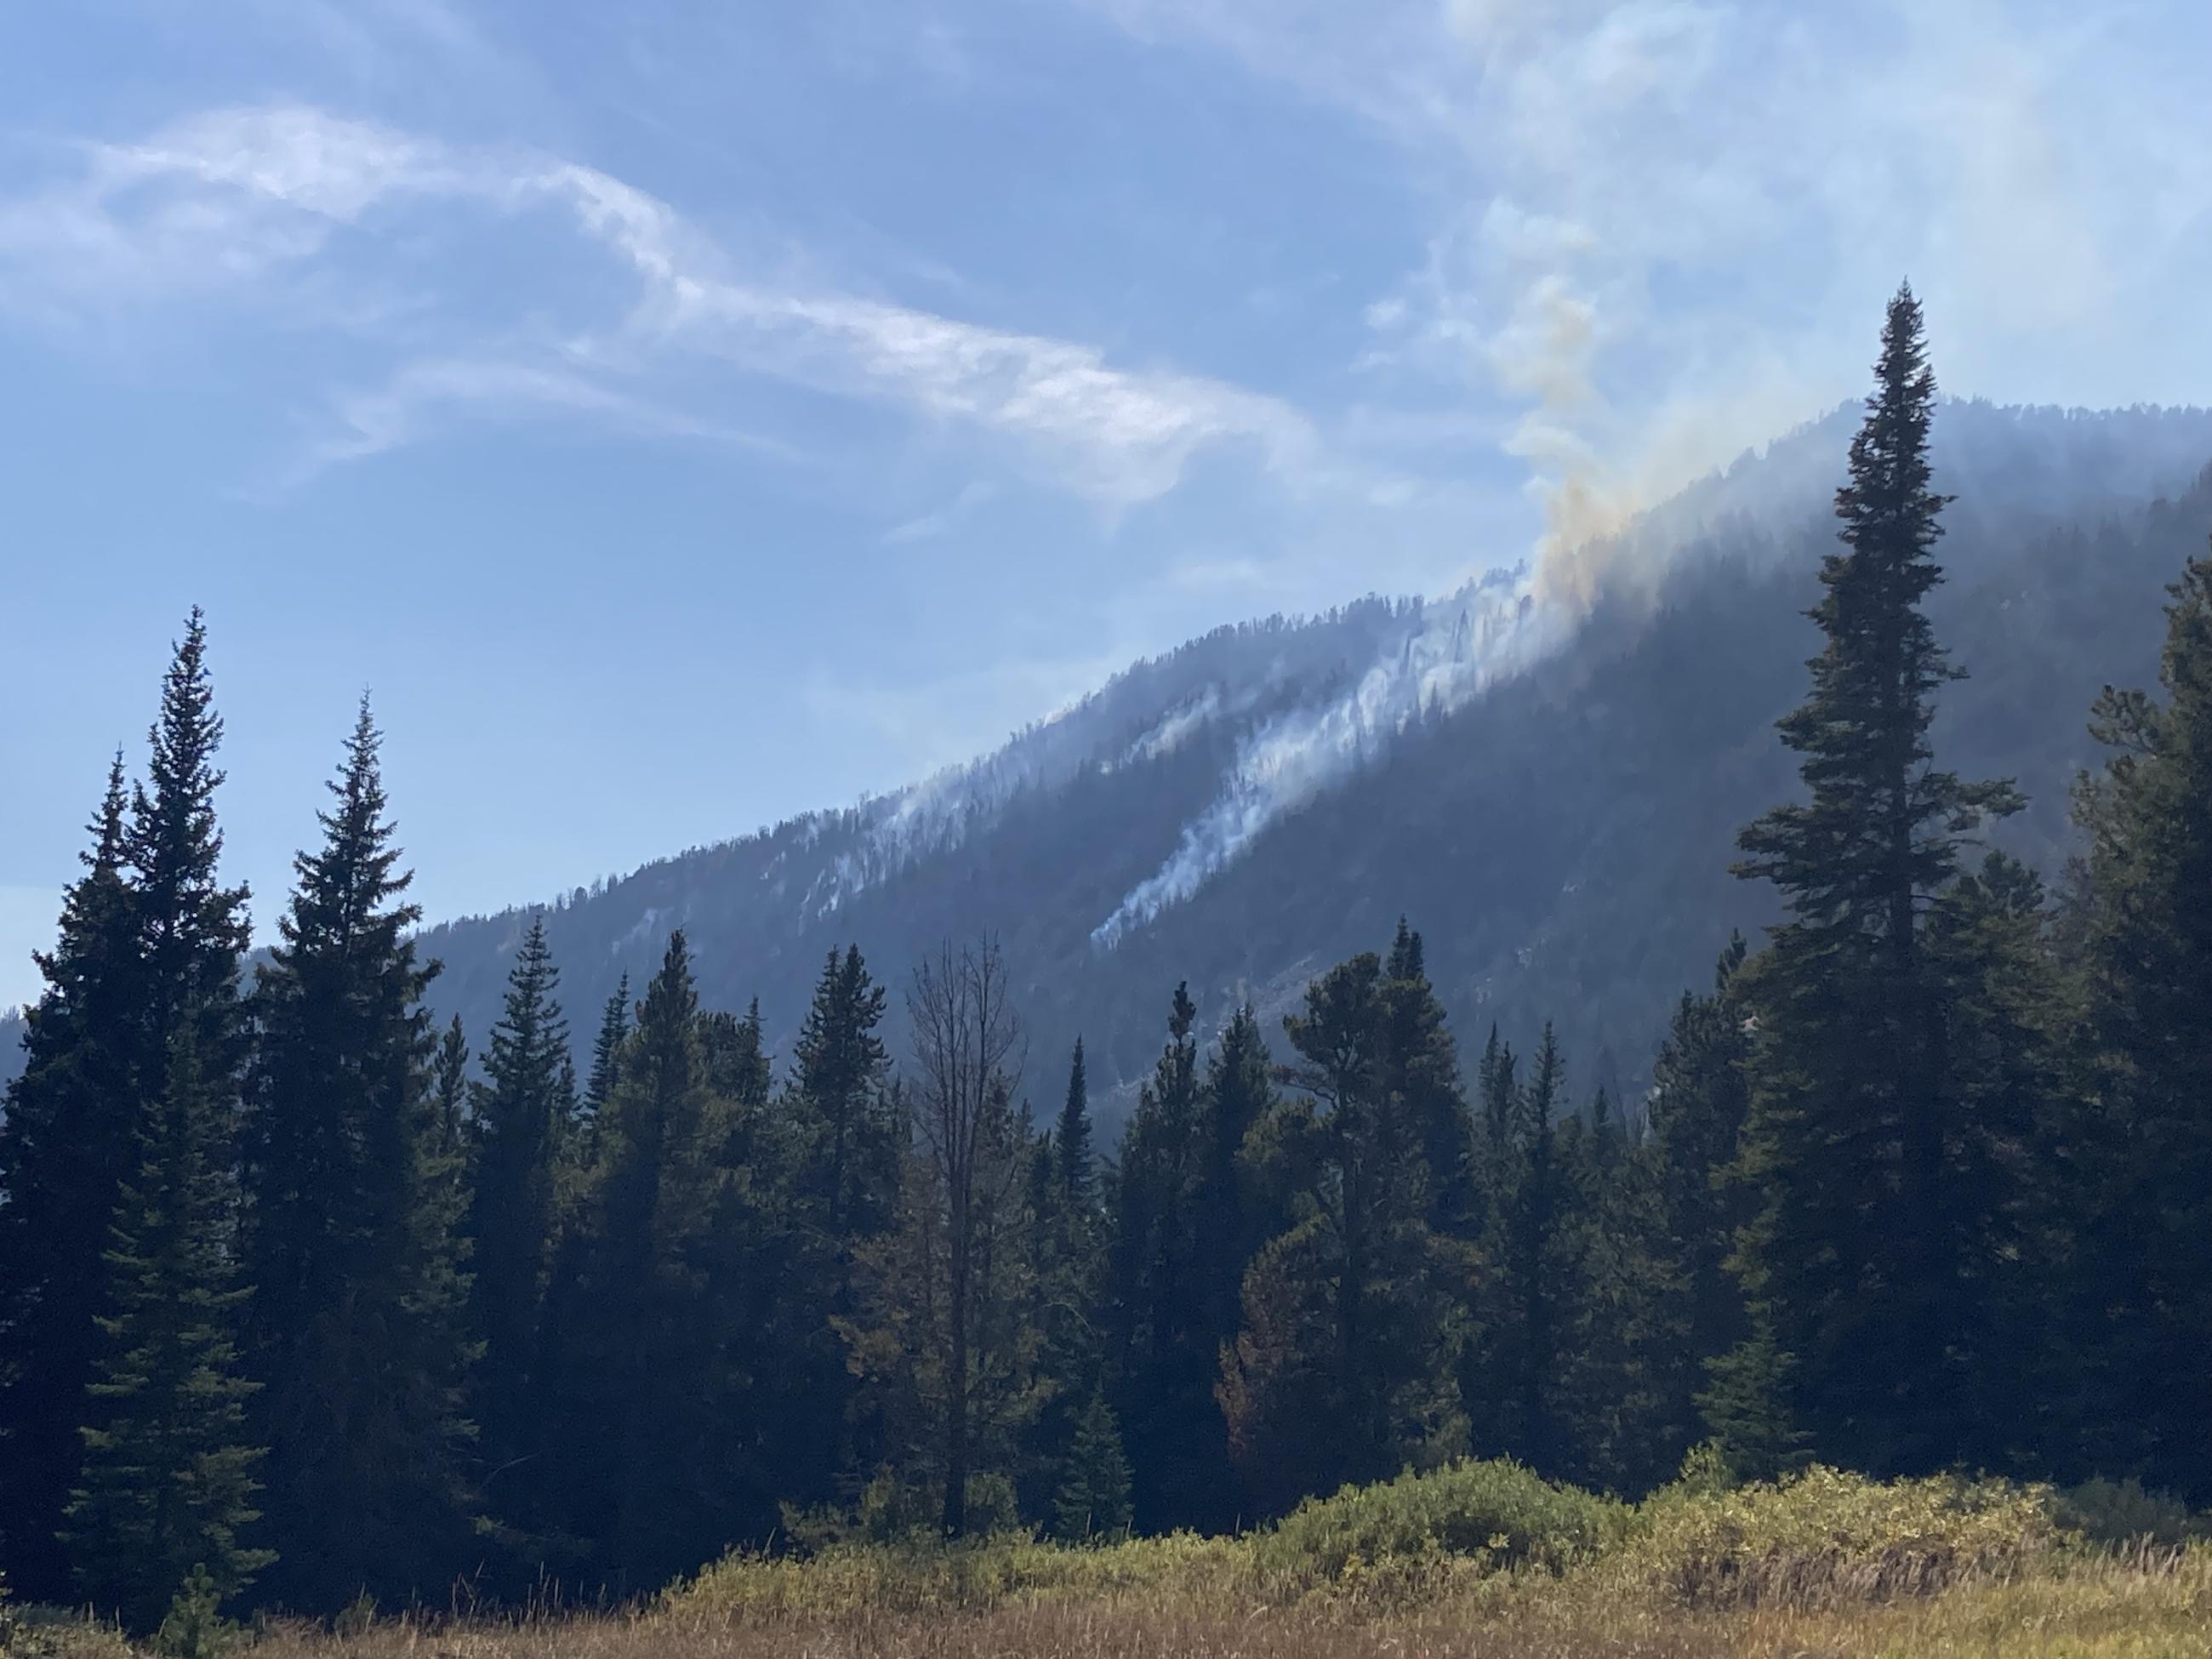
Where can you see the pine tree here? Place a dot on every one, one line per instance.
(1232, 1223)
(1074, 1178)
(192, 931)
(1862, 1253)
(1700, 1098)
(1421, 1068)
(1626, 1426)
(844, 1183)
(1345, 1367)
(606, 1050)
(1165, 1360)
(2144, 1192)
(357, 1337)
(1068, 1230)
(449, 1094)
(1491, 1358)
(1093, 1499)
(1540, 1266)
(519, 1125)
(654, 1388)
(187, 932)
(67, 1138)
(735, 1051)
(1747, 1406)
(168, 1478)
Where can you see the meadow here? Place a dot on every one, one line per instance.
(1478, 1558)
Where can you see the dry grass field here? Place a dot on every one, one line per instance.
(1474, 1562)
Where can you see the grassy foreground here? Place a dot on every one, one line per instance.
(1477, 1559)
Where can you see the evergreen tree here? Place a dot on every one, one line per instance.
(1093, 1499)
(652, 1385)
(159, 992)
(1747, 1406)
(449, 1095)
(845, 1192)
(168, 1478)
(1165, 1359)
(1073, 1176)
(1344, 1371)
(1700, 1098)
(357, 1337)
(606, 1050)
(192, 931)
(1626, 1424)
(734, 1052)
(1539, 1266)
(2144, 1134)
(1232, 1223)
(1491, 1362)
(1068, 1233)
(67, 1139)
(1867, 1251)
(520, 1119)
(1421, 1068)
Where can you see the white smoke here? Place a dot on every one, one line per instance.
(1457, 647)
(1172, 732)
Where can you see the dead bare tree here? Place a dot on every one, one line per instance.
(968, 1053)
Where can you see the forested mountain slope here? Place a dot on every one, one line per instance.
(1554, 812)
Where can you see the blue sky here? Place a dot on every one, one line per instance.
(681, 416)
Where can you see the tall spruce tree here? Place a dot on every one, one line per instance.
(449, 1095)
(1540, 1265)
(1344, 1370)
(1074, 1178)
(1700, 1098)
(357, 1335)
(2144, 1135)
(1867, 1251)
(607, 1049)
(853, 1134)
(67, 1140)
(1233, 1222)
(192, 931)
(168, 1482)
(651, 1378)
(172, 1058)
(520, 1117)
(1068, 1455)
(1627, 1423)
(1421, 1067)
(1165, 1360)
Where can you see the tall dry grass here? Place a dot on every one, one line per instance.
(1477, 1559)
(2105, 1608)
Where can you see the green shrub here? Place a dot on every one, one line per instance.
(40, 1632)
(2116, 1513)
(1825, 1536)
(1403, 1537)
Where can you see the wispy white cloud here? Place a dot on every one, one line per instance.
(409, 407)
(237, 203)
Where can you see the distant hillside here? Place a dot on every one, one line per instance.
(1553, 806)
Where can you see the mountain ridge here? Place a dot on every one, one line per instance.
(1520, 811)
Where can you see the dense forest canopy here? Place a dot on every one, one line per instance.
(337, 1272)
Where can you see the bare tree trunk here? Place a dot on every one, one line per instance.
(968, 1051)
